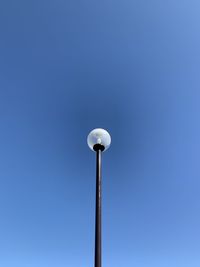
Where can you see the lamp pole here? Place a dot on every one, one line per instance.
(98, 140)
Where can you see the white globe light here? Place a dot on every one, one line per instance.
(99, 136)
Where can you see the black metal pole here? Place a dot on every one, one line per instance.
(98, 209)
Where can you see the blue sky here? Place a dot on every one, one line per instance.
(131, 67)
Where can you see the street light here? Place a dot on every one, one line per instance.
(98, 140)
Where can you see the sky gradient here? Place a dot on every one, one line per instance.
(131, 67)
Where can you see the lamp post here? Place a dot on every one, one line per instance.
(98, 140)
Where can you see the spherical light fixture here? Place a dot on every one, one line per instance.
(99, 138)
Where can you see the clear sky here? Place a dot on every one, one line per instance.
(131, 67)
